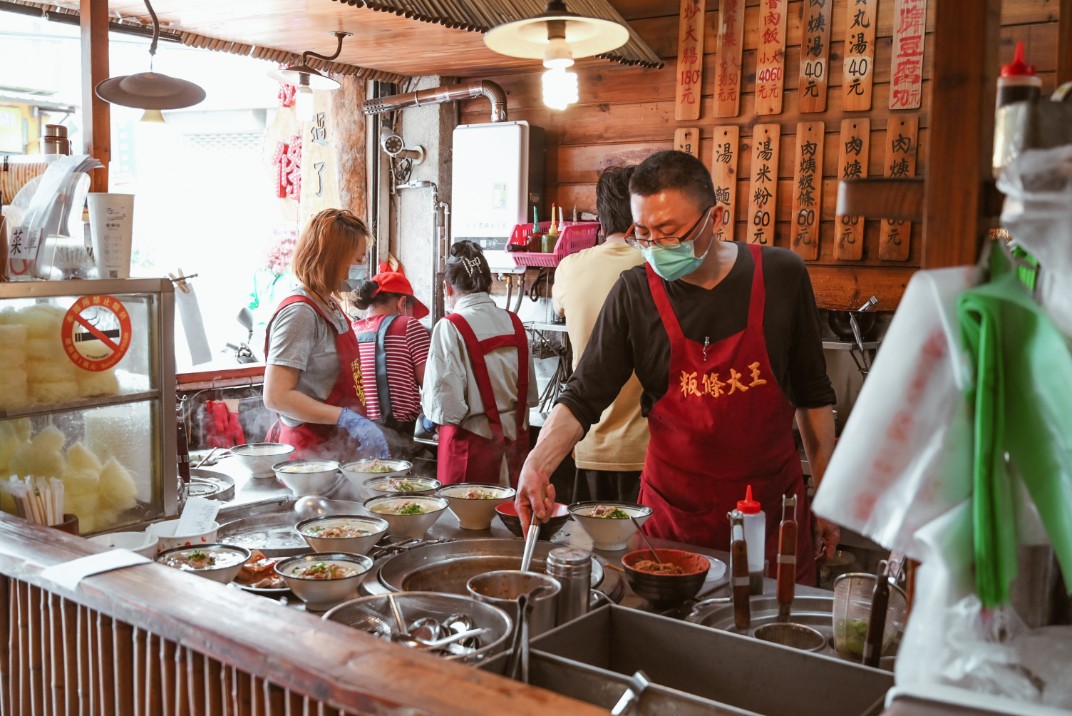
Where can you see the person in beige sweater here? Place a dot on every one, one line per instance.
(611, 456)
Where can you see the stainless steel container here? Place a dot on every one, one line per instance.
(501, 588)
(54, 140)
(573, 569)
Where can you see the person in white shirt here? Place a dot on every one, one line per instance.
(479, 379)
(611, 456)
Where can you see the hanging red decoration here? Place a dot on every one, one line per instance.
(287, 161)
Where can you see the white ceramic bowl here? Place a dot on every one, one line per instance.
(322, 594)
(259, 458)
(222, 565)
(373, 528)
(402, 485)
(409, 525)
(358, 472)
(609, 533)
(474, 504)
(143, 543)
(307, 477)
(167, 539)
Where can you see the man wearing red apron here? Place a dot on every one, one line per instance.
(724, 339)
(464, 456)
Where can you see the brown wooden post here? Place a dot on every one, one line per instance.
(348, 132)
(96, 113)
(1064, 48)
(960, 146)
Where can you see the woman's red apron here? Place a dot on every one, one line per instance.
(348, 392)
(465, 456)
(724, 424)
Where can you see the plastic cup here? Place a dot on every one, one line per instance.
(111, 228)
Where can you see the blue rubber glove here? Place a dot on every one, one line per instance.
(428, 425)
(365, 432)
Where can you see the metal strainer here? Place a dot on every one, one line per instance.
(852, 613)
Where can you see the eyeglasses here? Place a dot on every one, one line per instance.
(643, 242)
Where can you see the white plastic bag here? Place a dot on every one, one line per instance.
(904, 457)
(1038, 214)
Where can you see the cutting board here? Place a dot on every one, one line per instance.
(724, 175)
(763, 190)
(861, 17)
(807, 189)
(815, 55)
(728, 58)
(852, 164)
(895, 236)
(770, 58)
(690, 44)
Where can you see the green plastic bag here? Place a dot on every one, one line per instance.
(1022, 400)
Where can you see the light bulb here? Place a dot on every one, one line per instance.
(558, 55)
(153, 116)
(559, 88)
(303, 104)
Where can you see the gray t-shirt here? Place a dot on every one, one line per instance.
(301, 339)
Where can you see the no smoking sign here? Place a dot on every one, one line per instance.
(96, 332)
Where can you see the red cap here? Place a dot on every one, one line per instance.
(396, 282)
(748, 506)
(1018, 68)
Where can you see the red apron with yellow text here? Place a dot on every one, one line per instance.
(464, 456)
(724, 424)
(348, 391)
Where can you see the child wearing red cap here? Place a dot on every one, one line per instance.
(394, 348)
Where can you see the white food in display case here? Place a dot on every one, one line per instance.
(87, 395)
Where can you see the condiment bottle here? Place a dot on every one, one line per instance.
(755, 536)
(1018, 81)
(573, 569)
(551, 237)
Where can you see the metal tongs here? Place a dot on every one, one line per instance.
(787, 557)
(863, 364)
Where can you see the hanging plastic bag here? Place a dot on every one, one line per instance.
(904, 456)
(1038, 214)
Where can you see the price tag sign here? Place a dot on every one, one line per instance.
(728, 58)
(96, 332)
(770, 59)
(861, 16)
(852, 164)
(815, 56)
(808, 189)
(766, 139)
(724, 176)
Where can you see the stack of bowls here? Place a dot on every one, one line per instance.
(258, 459)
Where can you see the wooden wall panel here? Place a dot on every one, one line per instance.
(625, 114)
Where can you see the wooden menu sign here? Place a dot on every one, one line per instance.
(770, 62)
(728, 58)
(763, 192)
(724, 175)
(895, 237)
(852, 164)
(690, 39)
(861, 16)
(807, 190)
(815, 56)
(906, 64)
(688, 140)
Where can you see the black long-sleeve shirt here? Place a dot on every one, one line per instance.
(629, 334)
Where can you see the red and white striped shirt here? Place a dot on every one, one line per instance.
(406, 345)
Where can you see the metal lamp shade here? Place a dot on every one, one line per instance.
(293, 75)
(150, 90)
(585, 36)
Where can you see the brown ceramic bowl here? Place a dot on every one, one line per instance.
(666, 588)
(507, 512)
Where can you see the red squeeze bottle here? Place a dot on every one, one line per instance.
(1018, 81)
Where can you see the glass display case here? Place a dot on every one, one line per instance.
(87, 395)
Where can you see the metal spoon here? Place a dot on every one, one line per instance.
(654, 554)
(530, 543)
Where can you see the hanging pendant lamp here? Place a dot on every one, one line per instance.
(556, 36)
(306, 78)
(150, 90)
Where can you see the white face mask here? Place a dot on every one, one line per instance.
(357, 274)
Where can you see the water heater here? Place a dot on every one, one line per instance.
(496, 179)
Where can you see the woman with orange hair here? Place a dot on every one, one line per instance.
(313, 375)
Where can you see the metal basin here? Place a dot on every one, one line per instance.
(448, 567)
(696, 669)
(816, 612)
